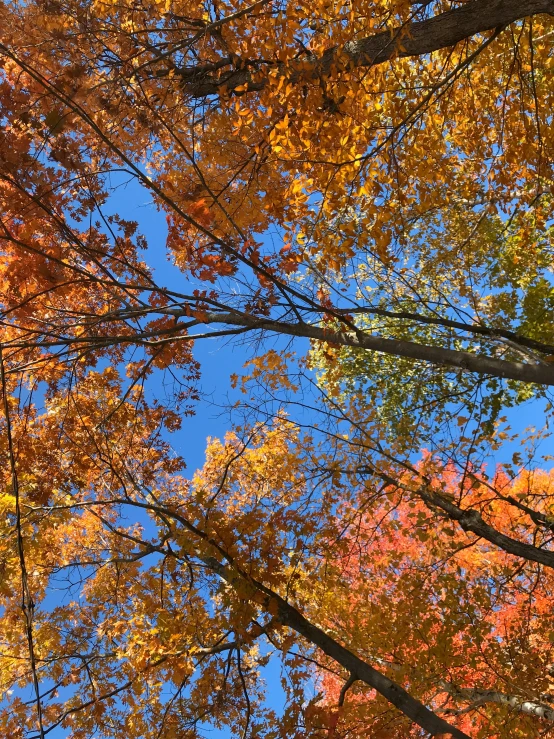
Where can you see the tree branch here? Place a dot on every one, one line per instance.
(541, 374)
(289, 616)
(413, 39)
(345, 688)
(471, 520)
(479, 697)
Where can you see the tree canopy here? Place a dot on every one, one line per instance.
(360, 193)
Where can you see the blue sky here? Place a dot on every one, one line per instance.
(218, 359)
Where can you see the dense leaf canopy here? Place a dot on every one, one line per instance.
(360, 193)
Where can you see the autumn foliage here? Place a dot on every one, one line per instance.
(359, 194)
(467, 627)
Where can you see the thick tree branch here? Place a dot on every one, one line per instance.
(471, 520)
(471, 328)
(289, 616)
(444, 30)
(479, 697)
(414, 39)
(542, 374)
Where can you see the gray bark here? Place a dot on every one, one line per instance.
(471, 520)
(479, 697)
(542, 374)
